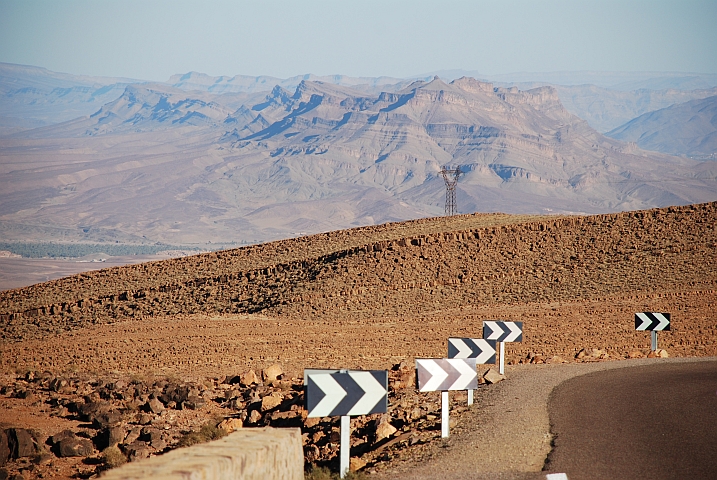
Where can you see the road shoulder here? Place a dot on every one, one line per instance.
(506, 434)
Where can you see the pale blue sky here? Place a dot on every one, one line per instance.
(154, 39)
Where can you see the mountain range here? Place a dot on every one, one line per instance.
(217, 159)
(32, 97)
(688, 128)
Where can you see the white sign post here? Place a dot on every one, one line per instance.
(445, 415)
(501, 369)
(442, 375)
(327, 395)
(345, 448)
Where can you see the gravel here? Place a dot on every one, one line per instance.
(506, 434)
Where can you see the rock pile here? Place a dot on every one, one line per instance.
(144, 417)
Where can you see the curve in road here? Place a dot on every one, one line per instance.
(649, 422)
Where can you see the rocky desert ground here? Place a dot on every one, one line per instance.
(126, 362)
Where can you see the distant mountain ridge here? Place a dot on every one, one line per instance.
(688, 128)
(185, 166)
(607, 109)
(32, 97)
(249, 84)
(619, 81)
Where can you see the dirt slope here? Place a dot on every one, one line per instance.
(374, 293)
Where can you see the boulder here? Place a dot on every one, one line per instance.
(272, 373)
(356, 464)
(26, 395)
(254, 417)
(107, 419)
(271, 401)
(659, 353)
(311, 422)
(89, 410)
(4, 448)
(492, 376)
(132, 435)
(137, 450)
(230, 425)
(405, 376)
(231, 394)
(152, 436)
(56, 438)
(249, 378)
(21, 443)
(537, 359)
(74, 446)
(145, 418)
(416, 413)
(194, 402)
(183, 393)
(591, 354)
(58, 383)
(384, 429)
(154, 405)
(110, 437)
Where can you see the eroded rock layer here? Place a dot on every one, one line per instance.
(393, 269)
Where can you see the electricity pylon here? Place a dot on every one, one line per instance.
(451, 178)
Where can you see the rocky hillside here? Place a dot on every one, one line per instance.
(400, 269)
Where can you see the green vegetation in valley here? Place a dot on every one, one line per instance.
(74, 250)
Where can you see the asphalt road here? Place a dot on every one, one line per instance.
(649, 422)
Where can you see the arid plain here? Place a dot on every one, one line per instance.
(372, 297)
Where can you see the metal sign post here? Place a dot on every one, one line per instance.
(332, 393)
(654, 340)
(442, 375)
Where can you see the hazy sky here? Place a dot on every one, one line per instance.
(152, 40)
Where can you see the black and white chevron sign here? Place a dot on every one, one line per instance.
(443, 374)
(652, 321)
(479, 348)
(503, 331)
(346, 393)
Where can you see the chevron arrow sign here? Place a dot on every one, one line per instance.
(352, 392)
(652, 321)
(503, 331)
(443, 374)
(480, 349)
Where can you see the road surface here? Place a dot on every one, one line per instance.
(649, 422)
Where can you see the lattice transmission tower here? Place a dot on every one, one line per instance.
(451, 178)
